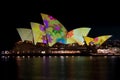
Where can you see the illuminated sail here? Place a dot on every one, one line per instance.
(38, 33)
(88, 40)
(62, 40)
(77, 34)
(25, 34)
(70, 39)
(101, 39)
(98, 40)
(54, 29)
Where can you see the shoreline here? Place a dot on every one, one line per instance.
(59, 54)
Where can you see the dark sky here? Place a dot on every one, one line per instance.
(102, 17)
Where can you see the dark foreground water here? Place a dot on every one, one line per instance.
(60, 68)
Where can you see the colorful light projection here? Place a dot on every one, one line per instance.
(88, 40)
(69, 39)
(98, 40)
(25, 34)
(55, 31)
(62, 40)
(38, 33)
(76, 35)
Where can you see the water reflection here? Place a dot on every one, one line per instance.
(60, 68)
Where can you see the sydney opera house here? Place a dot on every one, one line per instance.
(53, 37)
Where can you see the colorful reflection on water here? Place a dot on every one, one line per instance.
(60, 68)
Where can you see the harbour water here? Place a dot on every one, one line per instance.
(60, 68)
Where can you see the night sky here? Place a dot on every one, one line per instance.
(103, 18)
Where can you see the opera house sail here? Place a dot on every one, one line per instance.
(39, 34)
(55, 31)
(97, 40)
(76, 35)
(25, 34)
